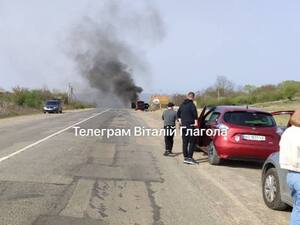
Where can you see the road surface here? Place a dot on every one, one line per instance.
(49, 176)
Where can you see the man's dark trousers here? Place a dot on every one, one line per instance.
(169, 138)
(188, 141)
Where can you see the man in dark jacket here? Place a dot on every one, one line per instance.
(188, 119)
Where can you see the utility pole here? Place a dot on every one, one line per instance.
(70, 92)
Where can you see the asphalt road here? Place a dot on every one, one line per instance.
(48, 176)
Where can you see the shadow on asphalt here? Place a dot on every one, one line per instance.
(234, 163)
(175, 154)
(54, 113)
(226, 163)
(243, 164)
(201, 160)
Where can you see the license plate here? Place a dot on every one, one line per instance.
(254, 137)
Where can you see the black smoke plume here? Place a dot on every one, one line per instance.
(109, 48)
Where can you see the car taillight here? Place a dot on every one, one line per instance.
(237, 138)
(222, 127)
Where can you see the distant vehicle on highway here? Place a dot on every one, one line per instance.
(140, 105)
(252, 134)
(276, 193)
(53, 106)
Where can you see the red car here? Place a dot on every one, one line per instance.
(252, 134)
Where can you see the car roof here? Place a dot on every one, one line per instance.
(231, 108)
(54, 100)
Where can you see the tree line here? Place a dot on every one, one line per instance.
(225, 92)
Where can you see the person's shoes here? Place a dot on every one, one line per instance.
(194, 161)
(166, 153)
(191, 161)
(186, 160)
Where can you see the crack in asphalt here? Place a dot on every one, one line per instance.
(156, 215)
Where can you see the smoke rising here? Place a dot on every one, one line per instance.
(109, 49)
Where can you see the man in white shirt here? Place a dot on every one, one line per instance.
(289, 159)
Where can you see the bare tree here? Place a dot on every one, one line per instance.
(224, 87)
(177, 99)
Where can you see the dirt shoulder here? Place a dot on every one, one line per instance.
(36, 116)
(232, 190)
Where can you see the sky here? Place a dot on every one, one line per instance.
(248, 41)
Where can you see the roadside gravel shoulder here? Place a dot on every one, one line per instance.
(233, 189)
(35, 117)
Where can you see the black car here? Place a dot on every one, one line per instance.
(140, 105)
(53, 106)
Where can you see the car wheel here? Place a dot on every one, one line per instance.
(271, 190)
(213, 157)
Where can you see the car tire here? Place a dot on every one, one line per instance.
(271, 190)
(213, 157)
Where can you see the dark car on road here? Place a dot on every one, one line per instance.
(276, 193)
(53, 106)
(252, 134)
(140, 105)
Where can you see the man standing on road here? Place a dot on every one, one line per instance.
(289, 158)
(188, 119)
(169, 117)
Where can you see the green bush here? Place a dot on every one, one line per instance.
(36, 98)
(80, 105)
(30, 98)
(289, 89)
(19, 95)
(250, 94)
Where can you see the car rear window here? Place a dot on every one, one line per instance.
(253, 119)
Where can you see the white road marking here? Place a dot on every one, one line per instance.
(48, 137)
